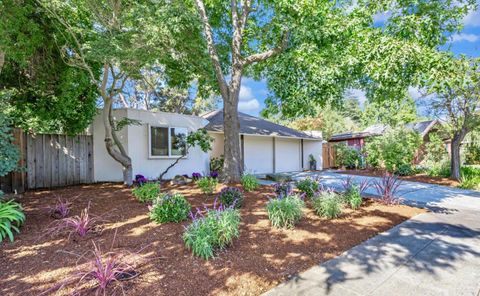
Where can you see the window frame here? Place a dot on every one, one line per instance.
(169, 156)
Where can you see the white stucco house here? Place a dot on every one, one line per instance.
(157, 141)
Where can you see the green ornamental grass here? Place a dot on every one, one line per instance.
(11, 217)
(308, 186)
(147, 192)
(327, 204)
(213, 231)
(207, 184)
(353, 197)
(250, 182)
(170, 208)
(285, 212)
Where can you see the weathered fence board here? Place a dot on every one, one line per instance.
(59, 160)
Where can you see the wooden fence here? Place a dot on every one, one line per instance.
(50, 160)
(328, 153)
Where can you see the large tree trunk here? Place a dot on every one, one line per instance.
(232, 167)
(455, 163)
(114, 147)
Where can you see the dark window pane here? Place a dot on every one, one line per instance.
(179, 141)
(159, 141)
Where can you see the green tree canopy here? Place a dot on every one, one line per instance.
(43, 93)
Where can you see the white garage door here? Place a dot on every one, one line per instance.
(258, 154)
(288, 155)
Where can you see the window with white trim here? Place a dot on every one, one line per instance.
(168, 141)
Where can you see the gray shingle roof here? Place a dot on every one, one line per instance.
(251, 125)
(422, 127)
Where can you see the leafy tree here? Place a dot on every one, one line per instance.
(351, 109)
(41, 92)
(126, 37)
(390, 112)
(435, 148)
(455, 83)
(310, 52)
(328, 120)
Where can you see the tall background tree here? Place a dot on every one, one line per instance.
(311, 52)
(455, 87)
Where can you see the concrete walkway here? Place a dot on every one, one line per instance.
(436, 253)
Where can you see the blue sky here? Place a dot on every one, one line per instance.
(253, 93)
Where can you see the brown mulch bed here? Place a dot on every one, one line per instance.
(259, 260)
(423, 178)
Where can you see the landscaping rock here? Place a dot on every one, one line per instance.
(180, 180)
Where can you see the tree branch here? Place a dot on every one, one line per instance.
(211, 48)
(258, 57)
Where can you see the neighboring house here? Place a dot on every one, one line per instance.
(158, 140)
(357, 139)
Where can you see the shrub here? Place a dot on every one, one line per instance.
(207, 184)
(285, 212)
(283, 189)
(353, 197)
(308, 186)
(196, 176)
(147, 192)
(140, 180)
(327, 204)
(470, 178)
(405, 170)
(170, 208)
(250, 182)
(347, 156)
(11, 217)
(213, 231)
(395, 148)
(231, 197)
(441, 169)
(387, 189)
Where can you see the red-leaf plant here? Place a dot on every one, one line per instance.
(347, 184)
(103, 272)
(387, 188)
(61, 209)
(81, 224)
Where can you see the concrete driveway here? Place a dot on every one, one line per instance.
(436, 253)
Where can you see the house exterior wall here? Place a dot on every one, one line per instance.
(217, 145)
(136, 141)
(196, 159)
(105, 168)
(314, 148)
(287, 155)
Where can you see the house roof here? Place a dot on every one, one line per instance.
(422, 127)
(251, 125)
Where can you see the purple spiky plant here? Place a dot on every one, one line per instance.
(387, 188)
(60, 210)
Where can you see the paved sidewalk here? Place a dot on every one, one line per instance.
(436, 253)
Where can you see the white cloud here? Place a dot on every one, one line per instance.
(472, 19)
(248, 106)
(246, 93)
(465, 37)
